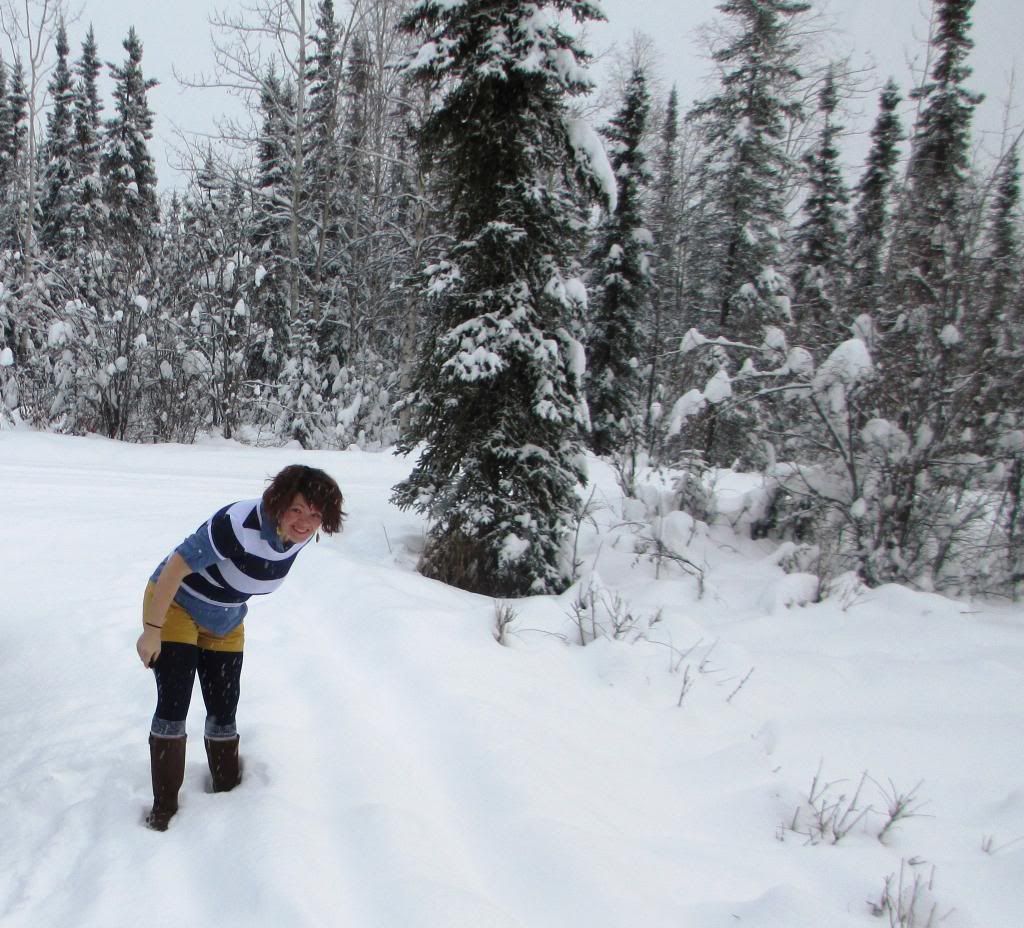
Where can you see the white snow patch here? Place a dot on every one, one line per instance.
(795, 589)
(513, 548)
(950, 335)
(800, 361)
(59, 334)
(775, 339)
(848, 366)
(576, 292)
(689, 404)
(404, 769)
(691, 340)
(593, 158)
(718, 388)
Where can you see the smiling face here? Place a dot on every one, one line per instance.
(298, 521)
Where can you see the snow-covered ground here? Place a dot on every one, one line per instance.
(403, 769)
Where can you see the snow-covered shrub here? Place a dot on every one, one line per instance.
(892, 501)
(362, 403)
(786, 508)
(597, 612)
(694, 493)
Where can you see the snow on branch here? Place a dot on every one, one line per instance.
(593, 159)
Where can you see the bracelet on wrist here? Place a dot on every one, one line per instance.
(151, 625)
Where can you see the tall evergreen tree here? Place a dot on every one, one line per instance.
(994, 334)
(499, 406)
(322, 159)
(940, 154)
(6, 133)
(744, 128)
(619, 302)
(870, 233)
(665, 221)
(355, 258)
(746, 170)
(923, 314)
(13, 155)
(821, 240)
(218, 282)
(927, 387)
(119, 284)
(58, 193)
(88, 213)
(128, 171)
(1000, 347)
(271, 227)
(1002, 263)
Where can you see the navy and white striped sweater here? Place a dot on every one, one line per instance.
(235, 554)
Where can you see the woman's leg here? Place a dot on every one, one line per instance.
(220, 675)
(175, 672)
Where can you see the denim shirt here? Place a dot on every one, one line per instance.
(198, 553)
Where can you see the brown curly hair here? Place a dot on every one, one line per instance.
(317, 487)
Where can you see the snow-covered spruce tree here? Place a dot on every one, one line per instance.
(666, 296)
(414, 185)
(355, 255)
(499, 411)
(872, 213)
(23, 375)
(745, 172)
(13, 155)
(6, 131)
(336, 172)
(993, 329)
(127, 168)
(820, 239)
(175, 404)
(286, 359)
(381, 235)
(322, 167)
(217, 329)
(57, 198)
(301, 168)
(618, 302)
(87, 203)
(997, 343)
(117, 314)
(924, 509)
(271, 230)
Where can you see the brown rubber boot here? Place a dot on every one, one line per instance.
(222, 753)
(167, 763)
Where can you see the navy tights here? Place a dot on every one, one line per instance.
(219, 678)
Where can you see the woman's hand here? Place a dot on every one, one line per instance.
(155, 606)
(148, 646)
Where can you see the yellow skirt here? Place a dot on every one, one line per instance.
(181, 628)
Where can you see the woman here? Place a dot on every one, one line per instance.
(192, 618)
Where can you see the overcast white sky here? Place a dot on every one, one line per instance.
(887, 33)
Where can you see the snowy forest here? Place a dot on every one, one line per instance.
(423, 239)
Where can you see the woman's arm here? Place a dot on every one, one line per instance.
(155, 611)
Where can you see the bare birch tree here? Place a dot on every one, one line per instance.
(30, 28)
